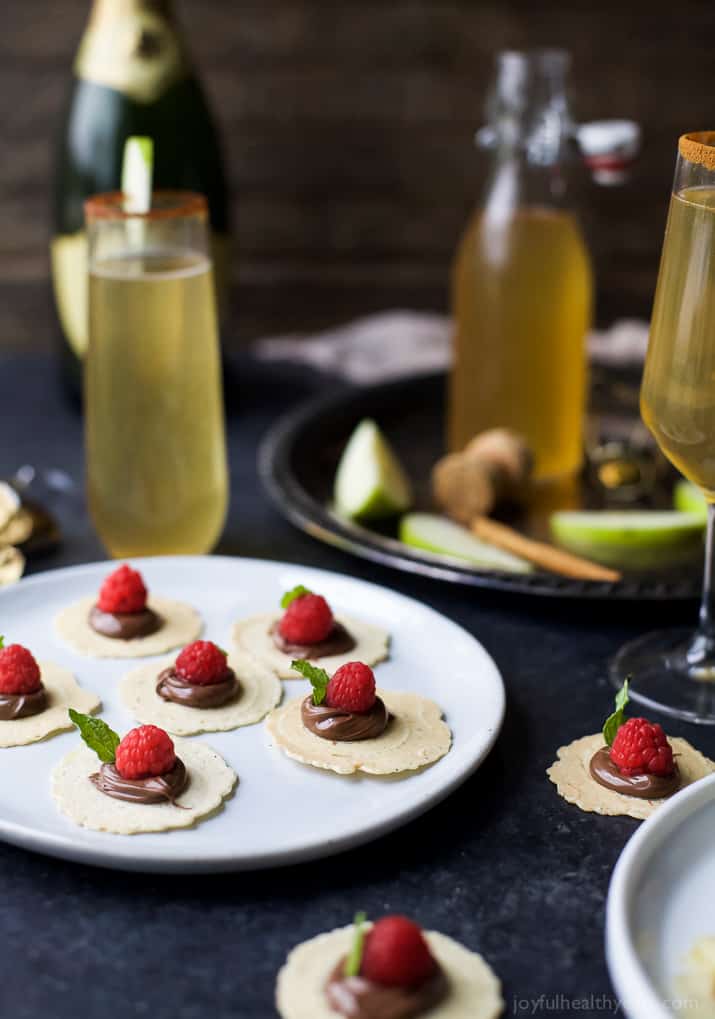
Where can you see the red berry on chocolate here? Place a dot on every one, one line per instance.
(145, 751)
(352, 688)
(396, 954)
(201, 663)
(641, 748)
(122, 591)
(19, 672)
(307, 620)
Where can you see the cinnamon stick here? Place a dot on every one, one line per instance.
(539, 553)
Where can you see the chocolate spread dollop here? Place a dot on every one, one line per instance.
(22, 705)
(359, 998)
(344, 726)
(338, 642)
(171, 687)
(645, 787)
(155, 789)
(124, 625)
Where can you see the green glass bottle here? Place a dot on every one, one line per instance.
(132, 76)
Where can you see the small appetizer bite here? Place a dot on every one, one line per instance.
(629, 768)
(145, 782)
(307, 629)
(34, 697)
(124, 622)
(203, 690)
(346, 725)
(391, 968)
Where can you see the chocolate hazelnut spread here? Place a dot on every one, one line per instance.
(171, 687)
(124, 625)
(22, 705)
(359, 998)
(338, 642)
(644, 787)
(344, 726)
(154, 789)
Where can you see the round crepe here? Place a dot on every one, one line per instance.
(474, 989)
(415, 736)
(182, 624)
(63, 693)
(211, 780)
(572, 778)
(260, 691)
(254, 636)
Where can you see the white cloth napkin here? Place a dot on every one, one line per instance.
(395, 343)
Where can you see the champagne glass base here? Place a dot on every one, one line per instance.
(669, 672)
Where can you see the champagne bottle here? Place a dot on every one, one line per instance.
(132, 76)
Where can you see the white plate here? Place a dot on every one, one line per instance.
(283, 812)
(661, 900)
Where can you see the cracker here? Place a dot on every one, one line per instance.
(63, 693)
(211, 780)
(572, 778)
(261, 690)
(182, 624)
(474, 989)
(253, 635)
(415, 737)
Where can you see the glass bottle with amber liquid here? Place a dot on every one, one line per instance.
(132, 76)
(522, 282)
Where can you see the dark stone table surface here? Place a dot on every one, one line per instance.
(503, 865)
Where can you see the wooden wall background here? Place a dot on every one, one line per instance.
(348, 128)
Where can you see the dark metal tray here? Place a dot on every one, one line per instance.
(299, 456)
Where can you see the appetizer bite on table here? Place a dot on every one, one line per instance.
(123, 621)
(202, 690)
(307, 629)
(346, 725)
(145, 782)
(35, 696)
(628, 768)
(388, 969)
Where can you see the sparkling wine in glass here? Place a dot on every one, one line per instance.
(674, 670)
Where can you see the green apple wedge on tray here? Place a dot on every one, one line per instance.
(371, 485)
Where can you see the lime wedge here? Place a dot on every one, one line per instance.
(442, 536)
(370, 482)
(632, 539)
(688, 498)
(137, 173)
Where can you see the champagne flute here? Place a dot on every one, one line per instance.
(674, 670)
(156, 455)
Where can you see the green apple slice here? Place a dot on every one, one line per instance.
(137, 173)
(631, 539)
(688, 498)
(442, 536)
(370, 482)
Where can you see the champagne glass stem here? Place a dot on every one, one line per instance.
(701, 653)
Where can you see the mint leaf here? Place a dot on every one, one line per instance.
(97, 735)
(2, 642)
(354, 959)
(318, 677)
(616, 720)
(295, 592)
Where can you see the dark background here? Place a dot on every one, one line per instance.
(348, 127)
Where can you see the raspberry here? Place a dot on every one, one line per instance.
(352, 688)
(122, 591)
(641, 748)
(307, 620)
(19, 672)
(201, 663)
(145, 751)
(396, 954)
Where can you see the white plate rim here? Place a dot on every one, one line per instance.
(635, 990)
(176, 861)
